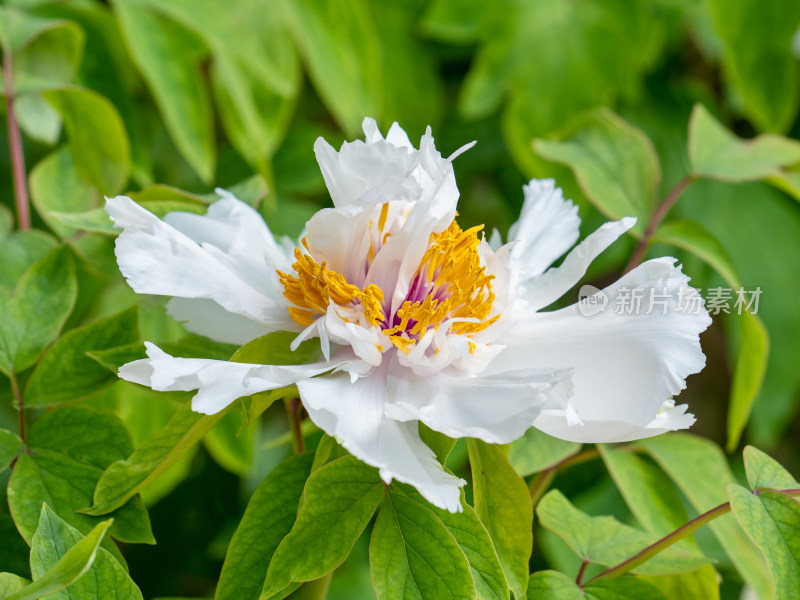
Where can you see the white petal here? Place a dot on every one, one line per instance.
(544, 289)
(218, 382)
(625, 365)
(354, 414)
(378, 170)
(340, 237)
(548, 226)
(367, 342)
(240, 239)
(398, 136)
(670, 418)
(205, 317)
(156, 258)
(497, 409)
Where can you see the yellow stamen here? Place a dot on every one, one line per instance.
(457, 288)
(315, 287)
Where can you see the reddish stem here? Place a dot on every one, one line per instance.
(655, 220)
(15, 147)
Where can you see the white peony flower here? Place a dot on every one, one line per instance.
(418, 320)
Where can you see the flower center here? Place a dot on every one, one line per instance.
(450, 285)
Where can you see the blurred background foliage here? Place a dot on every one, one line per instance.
(167, 99)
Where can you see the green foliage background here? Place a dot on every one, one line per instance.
(619, 100)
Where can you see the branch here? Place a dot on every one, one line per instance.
(294, 409)
(15, 147)
(655, 220)
(671, 538)
(20, 405)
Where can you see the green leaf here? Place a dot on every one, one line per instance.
(255, 71)
(19, 251)
(758, 58)
(231, 444)
(338, 502)
(269, 517)
(405, 63)
(615, 163)
(605, 541)
(126, 477)
(453, 20)
(702, 583)
(438, 442)
(97, 220)
(622, 588)
(749, 371)
(56, 186)
(700, 470)
(343, 62)
(274, 349)
(772, 520)
(10, 583)
(46, 52)
(6, 221)
(70, 566)
(693, 237)
(113, 358)
(412, 554)
(10, 445)
(105, 578)
(764, 472)
(787, 180)
(250, 191)
(18, 29)
(504, 507)
(474, 540)
(177, 84)
(97, 138)
(35, 311)
(536, 451)
(37, 118)
(648, 492)
(717, 153)
(67, 373)
(328, 449)
(553, 585)
(68, 448)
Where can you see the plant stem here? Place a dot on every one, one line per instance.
(655, 220)
(581, 571)
(20, 405)
(540, 483)
(15, 147)
(294, 409)
(544, 478)
(671, 538)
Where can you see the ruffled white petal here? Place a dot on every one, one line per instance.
(548, 226)
(544, 289)
(669, 418)
(497, 409)
(205, 317)
(239, 238)
(353, 412)
(218, 382)
(376, 172)
(625, 365)
(157, 258)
